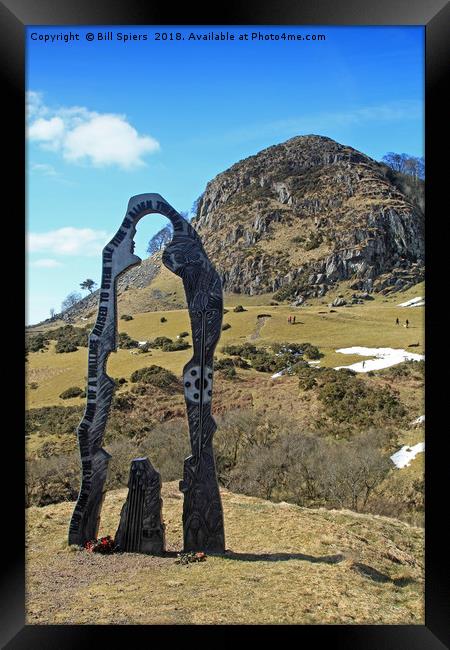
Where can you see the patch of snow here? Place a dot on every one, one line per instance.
(313, 363)
(384, 358)
(278, 374)
(419, 420)
(404, 456)
(141, 343)
(414, 302)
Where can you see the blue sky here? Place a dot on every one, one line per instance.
(110, 119)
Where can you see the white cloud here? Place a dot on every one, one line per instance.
(68, 241)
(43, 130)
(34, 105)
(81, 135)
(106, 140)
(41, 168)
(46, 263)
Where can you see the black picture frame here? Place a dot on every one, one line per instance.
(15, 15)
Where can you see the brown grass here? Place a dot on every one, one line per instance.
(285, 564)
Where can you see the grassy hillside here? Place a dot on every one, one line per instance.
(284, 564)
(371, 324)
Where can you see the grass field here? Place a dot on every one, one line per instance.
(371, 324)
(284, 564)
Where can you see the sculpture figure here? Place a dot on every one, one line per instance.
(185, 256)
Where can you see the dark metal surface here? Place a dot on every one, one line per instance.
(185, 256)
(141, 527)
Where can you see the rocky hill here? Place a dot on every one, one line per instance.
(295, 220)
(303, 215)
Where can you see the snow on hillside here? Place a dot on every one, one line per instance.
(414, 302)
(404, 456)
(384, 358)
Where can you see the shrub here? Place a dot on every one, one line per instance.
(174, 346)
(154, 375)
(69, 338)
(348, 398)
(125, 342)
(73, 391)
(36, 343)
(58, 420)
(65, 346)
(160, 341)
(314, 240)
(126, 317)
(244, 349)
(222, 364)
(34, 385)
(226, 326)
(124, 402)
(238, 309)
(163, 319)
(182, 335)
(228, 373)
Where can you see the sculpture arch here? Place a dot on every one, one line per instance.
(185, 256)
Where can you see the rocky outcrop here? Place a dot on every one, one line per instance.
(304, 215)
(298, 218)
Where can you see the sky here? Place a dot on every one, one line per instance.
(112, 117)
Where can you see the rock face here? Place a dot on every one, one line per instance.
(298, 218)
(306, 214)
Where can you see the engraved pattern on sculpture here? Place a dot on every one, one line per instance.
(141, 529)
(185, 256)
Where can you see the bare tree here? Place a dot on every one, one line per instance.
(405, 164)
(159, 241)
(70, 300)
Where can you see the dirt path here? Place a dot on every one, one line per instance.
(259, 325)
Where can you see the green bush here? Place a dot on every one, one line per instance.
(125, 342)
(238, 309)
(348, 398)
(175, 346)
(228, 373)
(73, 391)
(58, 420)
(160, 341)
(36, 343)
(243, 350)
(65, 346)
(155, 376)
(314, 240)
(182, 335)
(69, 337)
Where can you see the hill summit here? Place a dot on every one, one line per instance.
(305, 214)
(295, 220)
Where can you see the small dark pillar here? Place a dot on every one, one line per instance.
(141, 527)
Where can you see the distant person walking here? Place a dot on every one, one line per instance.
(293, 321)
(407, 323)
(364, 364)
(397, 322)
(289, 319)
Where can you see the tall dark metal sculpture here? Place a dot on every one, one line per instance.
(185, 256)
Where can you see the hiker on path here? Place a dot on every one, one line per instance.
(407, 323)
(397, 322)
(294, 320)
(364, 363)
